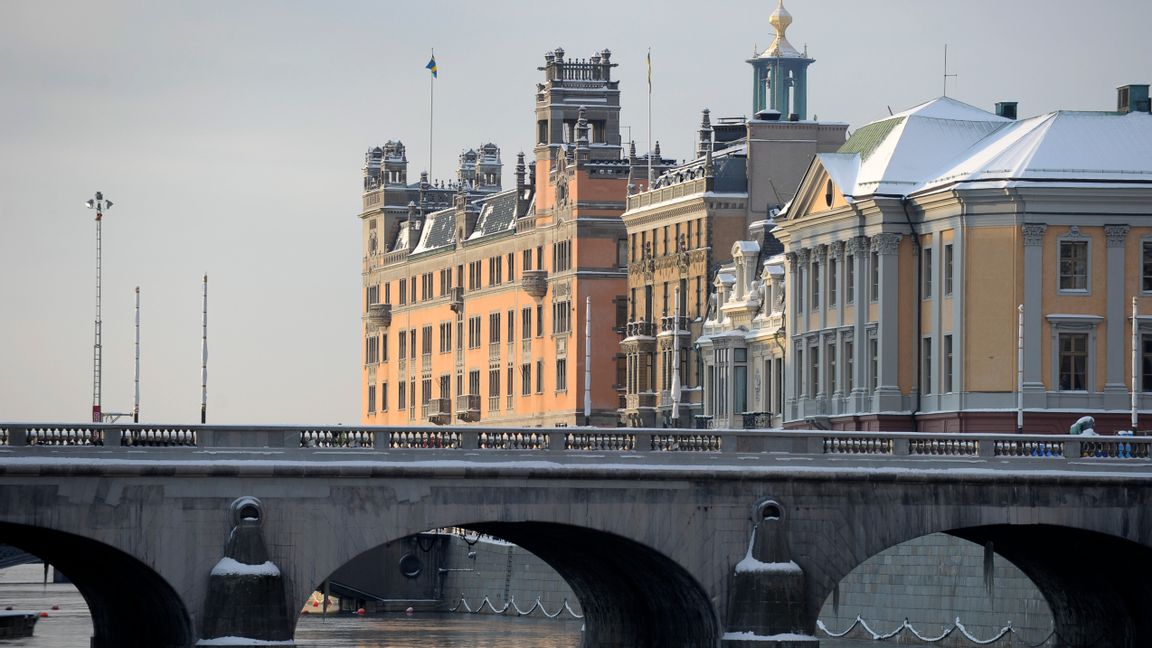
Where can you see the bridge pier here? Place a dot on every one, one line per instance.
(768, 589)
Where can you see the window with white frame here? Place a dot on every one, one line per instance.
(1073, 345)
(815, 282)
(948, 266)
(833, 281)
(926, 366)
(874, 276)
(849, 367)
(946, 368)
(1073, 265)
(850, 279)
(926, 265)
(873, 363)
(830, 367)
(1073, 369)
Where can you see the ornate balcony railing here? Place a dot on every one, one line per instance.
(638, 329)
(643, 399)
(440, 410)
(672, 323)
(468, 407)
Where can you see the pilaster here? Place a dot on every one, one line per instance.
(1033, 234)
(1115, 386)
(887, 248)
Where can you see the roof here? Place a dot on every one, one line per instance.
(944, 141)
(497, 214)
(439, 232)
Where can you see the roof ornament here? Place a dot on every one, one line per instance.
(780, 47)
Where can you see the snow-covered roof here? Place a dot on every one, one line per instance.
(945, 141)
(497, 214)
(439, 232)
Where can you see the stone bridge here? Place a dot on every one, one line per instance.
(721, 538)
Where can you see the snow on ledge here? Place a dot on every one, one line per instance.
(231, 567)
(750, 564)
(752, 636)
(243, 641)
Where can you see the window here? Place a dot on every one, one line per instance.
(561, 374)
(815, 283)
(1146, 363)
(473, 332)
(561, 256)
(926, 261)
(426, 286)
(833, 281)
(526, 323)
(495, 270)
(561, 317)
(539, 257)
(948, 265)
(445, 281)
(372, 296)
(446, 386)
(402, 394)
(527, 260)
(849, 367)
(383, 397)
(946, 369)
(526, 379)
(1146, 275)
(799, 288)
(540, 321)
(874, 276)
(511, 267)
(511, 326)
(926, 366)
(739, 381)
(384, 348)
(800, 371)
(873, 363)
(445, 337)
(1074, 265)
(850, 279)
(1073, 349)
(388, 293)
(412, 343)
(539, 376)
(403, 344)
(426, 340)
(664, 306)
(371, 349)
(813, 370)
(830, 370)
(371, 399)
(474, 382)
(494, 389)
(474, 276)
(403, 291)
(493, 328)
(622, 253)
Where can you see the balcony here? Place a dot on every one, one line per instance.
(379, 315)
(636, 401)
(534, 282)
(468, 407)
(673, 323)
(757, 420)
(456, 298)
(640, 329)
(440, 411)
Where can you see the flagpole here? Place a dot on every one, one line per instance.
(431, 120)
(1135, 369)
(587, 361)
(649, 188)
(674, 388)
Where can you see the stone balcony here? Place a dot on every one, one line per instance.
(468, 407)
(534, 282)
(637, 401)
(379, 315)
(440, 411)
(640, 329)
(456, 298)
(671, 323)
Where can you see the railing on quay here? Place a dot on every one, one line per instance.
(14, 436)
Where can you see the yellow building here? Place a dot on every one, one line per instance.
(475, 310)
(912, 251)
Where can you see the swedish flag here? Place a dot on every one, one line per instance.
(432, 65)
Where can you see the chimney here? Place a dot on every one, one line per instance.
(1132, 98)
(1006, 109)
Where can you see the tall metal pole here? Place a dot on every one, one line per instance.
(649, 187)
(204, 359)
(675, 386)
(588, 361)
(136, 374)
(99, 204)
(1020, 369)
(1135, 365)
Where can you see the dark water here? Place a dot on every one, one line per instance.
(71, 627)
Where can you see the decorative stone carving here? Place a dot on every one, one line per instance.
(819, 253)
(857, 245)
(790, 258)
(802, 256)
(1033, 233)
(887, 243)
(1115, 235)
(836, 250)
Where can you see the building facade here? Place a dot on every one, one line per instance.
(952, 269)
(683, 228)
(475, 298)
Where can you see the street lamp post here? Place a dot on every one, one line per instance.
(99, 203)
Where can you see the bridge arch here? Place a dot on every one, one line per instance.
(632, 595)
(131, 605)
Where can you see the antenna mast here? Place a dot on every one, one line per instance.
(99, 204)
(136, 375)
(946, 75)
(204, 358)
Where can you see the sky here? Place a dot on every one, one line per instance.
(231, 136)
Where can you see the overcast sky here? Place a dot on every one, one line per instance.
(230, 136)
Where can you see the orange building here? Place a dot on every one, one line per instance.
(475, 312)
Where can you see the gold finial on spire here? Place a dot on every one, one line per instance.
(780, 47)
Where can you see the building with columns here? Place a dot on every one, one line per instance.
(475, 297)
(683, 227)
(913, 251)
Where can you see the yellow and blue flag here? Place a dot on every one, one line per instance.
(432, 65)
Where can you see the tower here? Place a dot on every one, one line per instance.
(780, 73)
(568, 86)
(395, 164)
(487, 167)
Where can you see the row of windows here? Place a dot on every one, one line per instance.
(665, 240)
(406, 391)
(376, 346)
(690, 303)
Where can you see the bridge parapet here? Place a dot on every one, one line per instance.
(453, 438)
